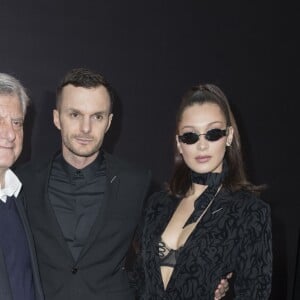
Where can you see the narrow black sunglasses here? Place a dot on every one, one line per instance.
(211, 135)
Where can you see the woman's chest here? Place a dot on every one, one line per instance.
(215, 240)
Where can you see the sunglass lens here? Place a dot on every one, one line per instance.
(189, 138)
(215, 134)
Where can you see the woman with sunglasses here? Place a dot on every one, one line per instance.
(210, 221)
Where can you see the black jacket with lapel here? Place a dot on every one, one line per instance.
(99, 271)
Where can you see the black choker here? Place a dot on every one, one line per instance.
(213, 182)
(210, 179)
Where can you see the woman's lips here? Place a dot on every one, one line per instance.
(202, 159)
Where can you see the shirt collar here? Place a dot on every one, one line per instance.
(12, 186)
(88, 173)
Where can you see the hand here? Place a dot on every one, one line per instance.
(223, 287)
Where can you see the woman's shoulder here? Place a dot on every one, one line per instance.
(247, 202)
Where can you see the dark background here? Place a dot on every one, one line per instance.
(151, 52)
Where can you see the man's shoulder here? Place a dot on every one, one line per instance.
(124, 165)
(34, 166)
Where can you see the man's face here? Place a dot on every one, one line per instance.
(83, 118)
(11, 130)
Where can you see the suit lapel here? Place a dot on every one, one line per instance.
(19, 204)
(110, 199)
(43, 207)
(214, 213)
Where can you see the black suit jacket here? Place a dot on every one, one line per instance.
(99, 272)
(5, 290)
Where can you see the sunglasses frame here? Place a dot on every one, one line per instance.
(223, 132)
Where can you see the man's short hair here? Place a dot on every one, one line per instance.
(9, 85)
(81, 77)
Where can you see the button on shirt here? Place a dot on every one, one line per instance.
(12, 186)
(77, 197)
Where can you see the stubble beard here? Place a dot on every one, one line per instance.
(75, 150)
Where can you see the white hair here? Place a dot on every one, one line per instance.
(9, 85)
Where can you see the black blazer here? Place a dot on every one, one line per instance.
(5, 290)
(233, 236)
(99, 272)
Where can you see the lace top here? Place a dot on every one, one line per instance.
(167, 255)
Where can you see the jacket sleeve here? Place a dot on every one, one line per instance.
(254, 263)
(135, 269)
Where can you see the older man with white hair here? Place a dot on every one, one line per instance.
(19, 276)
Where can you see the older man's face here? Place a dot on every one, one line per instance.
(11, 130)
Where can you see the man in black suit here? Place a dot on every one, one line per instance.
(19, 278)
(84, 205)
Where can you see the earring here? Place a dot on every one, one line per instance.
(228, 144)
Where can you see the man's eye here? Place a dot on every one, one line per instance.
(17, 123)
(74, 115)
(98, 117)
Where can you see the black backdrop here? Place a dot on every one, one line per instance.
(151, 52)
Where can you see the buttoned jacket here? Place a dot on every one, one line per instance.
(99, 272)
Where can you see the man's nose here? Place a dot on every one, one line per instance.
(7, 130)
(86, 125)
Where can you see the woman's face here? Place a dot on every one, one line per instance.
(203, 156)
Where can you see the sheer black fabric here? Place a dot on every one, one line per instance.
(168, 256)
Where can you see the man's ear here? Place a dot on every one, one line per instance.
(109, 122)
(56, 120)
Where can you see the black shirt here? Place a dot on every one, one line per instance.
(77, 197)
